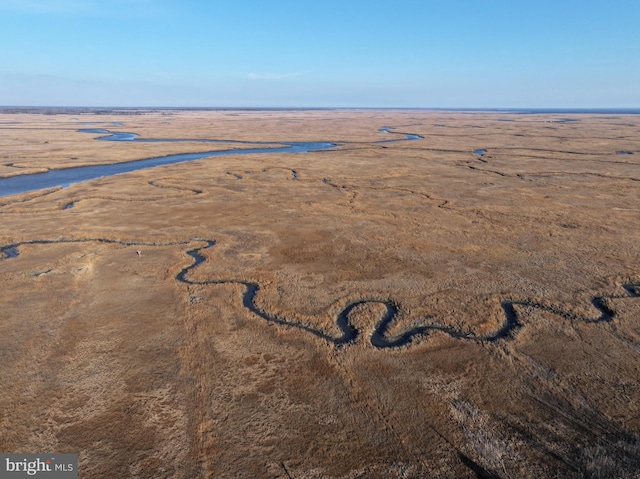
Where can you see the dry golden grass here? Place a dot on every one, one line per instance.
(106, 352)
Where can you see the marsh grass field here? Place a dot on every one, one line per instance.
(218, 318)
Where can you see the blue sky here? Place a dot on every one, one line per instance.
(281, 53)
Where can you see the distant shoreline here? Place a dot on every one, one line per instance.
(53, 110)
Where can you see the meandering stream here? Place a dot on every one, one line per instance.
(67, 176)
(379, 337)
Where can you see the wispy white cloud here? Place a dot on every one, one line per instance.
(275, 76)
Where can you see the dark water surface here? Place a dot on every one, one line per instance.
(111, 135)
(408, 136)
(65, 177)
(10, 252)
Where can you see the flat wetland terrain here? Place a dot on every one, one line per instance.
(464, 304)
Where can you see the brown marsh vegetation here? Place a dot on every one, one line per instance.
(181, 321)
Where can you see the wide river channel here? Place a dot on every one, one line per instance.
(67, 176)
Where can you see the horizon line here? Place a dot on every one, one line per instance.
(577, 110)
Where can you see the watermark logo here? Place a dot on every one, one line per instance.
(46, 466)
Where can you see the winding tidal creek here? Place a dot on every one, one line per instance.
(67, 176)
